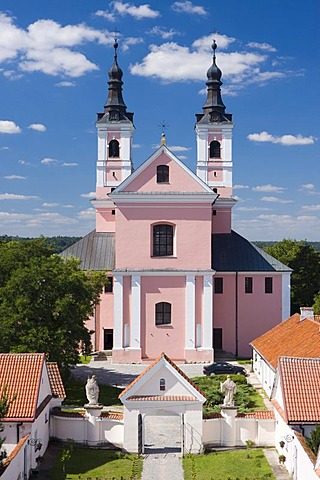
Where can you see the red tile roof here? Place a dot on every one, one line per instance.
(55, 379)
(300, 380)
(162, 398)
(112, 415)
(15, 451)
(21, 374)
(258, 414)
(292, 338)
(163, 355)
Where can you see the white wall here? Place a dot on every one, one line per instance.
(264, 372)
(15, 469)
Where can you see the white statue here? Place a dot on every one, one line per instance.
(230, 388)
(92, 390)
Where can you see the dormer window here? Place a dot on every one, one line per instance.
(215, 149)
(162, 174)
(162, 384)
(114, 149)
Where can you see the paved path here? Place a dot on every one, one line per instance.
(164, 466)
(280, 471)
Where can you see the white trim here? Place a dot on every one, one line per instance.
(135, 311)
(155, 155)
(207, 311)
(190, 311)
(118, 312)
(103, 202)
(164, 197)
(163, 273)
(286, 295)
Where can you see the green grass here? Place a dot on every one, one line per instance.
(102, 464)
(231, 465)
(246, 398)
(76, 394)
(244, 361)
(85, 359)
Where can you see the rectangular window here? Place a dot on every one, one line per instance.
(268, 285)
(162, 174)
(248, 284)
(162, 240)
(108, 288)
(218, 285)
(163, 313)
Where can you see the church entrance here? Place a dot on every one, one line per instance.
(108, 339)
(217, 339)
(163, 432)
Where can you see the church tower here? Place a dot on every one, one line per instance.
(115, 134)
(214, 136)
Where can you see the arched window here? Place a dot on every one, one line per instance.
(162, 174)
(114, 148)
(163, 313)
(162, 384)
(162, 240)
(215, 149)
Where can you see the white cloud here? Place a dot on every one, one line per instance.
(65, 84)
(49, 161)
(240, 187)
(275, 200)
(309, 189)
(286, 140)
(188, 7)
(163, 32)
(88, 195)
(140, 12)
(182, 157)
(68, 206)
(312, 208)
(4, 148)
(268, 188)
(136, 145)
(88, 213)
(50, 205)
(253, 209)
(69, 164)
(14, 196)
(39, 127)
(14, 177)
(7, 126)
(262, 46)
(107, 15)
(127, 42)
(178, 148)
(48, 47)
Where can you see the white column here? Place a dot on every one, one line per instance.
(207, 311)
(135, 311)
(118, 312)
(190, 311)
(286, 295)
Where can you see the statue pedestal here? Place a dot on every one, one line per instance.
(229, 430)
(93, 410)
(93, 413)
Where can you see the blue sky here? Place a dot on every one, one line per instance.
(54, 59)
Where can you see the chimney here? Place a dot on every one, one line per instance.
(306, 312)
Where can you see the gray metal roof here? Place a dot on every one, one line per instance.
(233, 253)
(96, 251)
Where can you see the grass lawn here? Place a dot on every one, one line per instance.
(85, 463)
(76, 394)
(231, 465)
(85, 359)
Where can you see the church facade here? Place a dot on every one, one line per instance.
(181, 280)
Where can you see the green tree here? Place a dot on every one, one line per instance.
(314, 440)
(5, 403)
(305, 263)
(45, 301)
(316, 304)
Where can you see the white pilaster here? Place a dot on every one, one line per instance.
(118, 312)
(286, 295)
(190, 311)
(207, 311)
(135, 310)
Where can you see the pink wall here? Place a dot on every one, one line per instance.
(104, 313)
(179, 179)
(105, 221)
(134, 228)
(221, 222)
(171, 338)
(224, 312)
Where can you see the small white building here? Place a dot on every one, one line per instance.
(36, 387)
(296, 398)
(298, 336)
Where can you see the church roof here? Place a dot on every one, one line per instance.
(96, 251)
(233, 253)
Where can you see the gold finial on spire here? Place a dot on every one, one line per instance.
(163, 139)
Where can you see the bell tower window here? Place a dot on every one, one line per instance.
(114, 149)
(215, 149)
(162, 174)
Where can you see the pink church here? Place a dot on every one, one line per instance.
(181, 280)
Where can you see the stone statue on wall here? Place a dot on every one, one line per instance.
(92, 390)
(229, 388)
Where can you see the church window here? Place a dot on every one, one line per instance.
(108, 288)
(162, 174)
(248, 284)
(162, 240)
(268, 285)
(114, 149)
(215, 149)
(163, 313)
(218, 285)
(162, 384)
